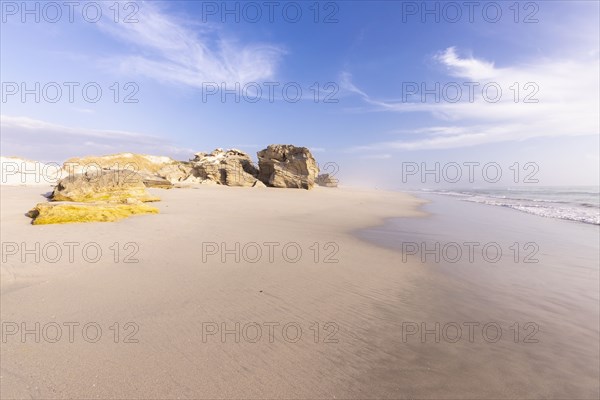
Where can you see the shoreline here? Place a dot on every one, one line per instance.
(570, 203)
(542, 293)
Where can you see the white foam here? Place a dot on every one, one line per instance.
(572, 213)
(561, 205)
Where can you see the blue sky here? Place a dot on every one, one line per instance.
(367, 56)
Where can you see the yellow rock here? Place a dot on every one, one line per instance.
(68, 212)
(109, 186)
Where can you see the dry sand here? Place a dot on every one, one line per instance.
(167, 304)
(172, 295)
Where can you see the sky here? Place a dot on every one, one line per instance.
(380, 91)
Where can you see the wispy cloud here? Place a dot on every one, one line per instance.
(375, 156)
(45, 141)
(465, 67)
(567, 104)
(171, 49)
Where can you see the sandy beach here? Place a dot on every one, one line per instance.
(300, 200)
(173, 296)
(178, 311)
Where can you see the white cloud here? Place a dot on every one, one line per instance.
(567, 92)
(45, 141)
(346, 84)
(375, 156)
(171, 49)
(471, 68)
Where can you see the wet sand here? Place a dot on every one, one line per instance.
(550, 287)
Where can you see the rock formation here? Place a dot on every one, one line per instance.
(287, 166)
(179, 173)
(232, 167)
(106, 195)
(280, 166)
(155, 181)
(106, 185)
(140, 163)
(64, 212)
(156, 171)
(108, 188)
(326, 180)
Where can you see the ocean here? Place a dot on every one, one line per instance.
(574, 203)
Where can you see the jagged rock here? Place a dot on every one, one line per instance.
(326, 180)
(69, 212)
(107, 185)
(178, 172)
(259, 184)
(287, 166)
(232, 167)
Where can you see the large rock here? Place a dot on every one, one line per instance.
(69, 212)
(156, 171)
(287, 166)
(326, 180)
(141, 163)
(107, 185)
(99, 196)
(232, 167)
